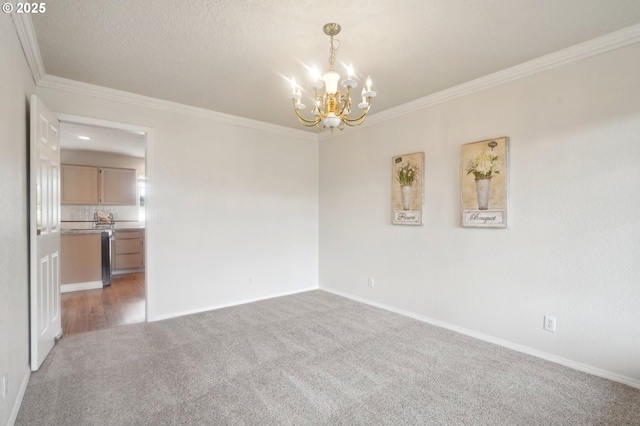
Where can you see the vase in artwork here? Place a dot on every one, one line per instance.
(483, 188)
(406, 197)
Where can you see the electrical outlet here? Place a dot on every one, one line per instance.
(549, 323)
(371, 282)
(4, 385)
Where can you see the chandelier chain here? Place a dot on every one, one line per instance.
(333, 51)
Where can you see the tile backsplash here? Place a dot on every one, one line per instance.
(85, 212)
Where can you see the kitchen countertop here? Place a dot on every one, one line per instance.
(69, 228)
(81, 231)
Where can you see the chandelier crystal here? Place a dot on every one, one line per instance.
(332, 108)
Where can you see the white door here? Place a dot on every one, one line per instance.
(44, 187)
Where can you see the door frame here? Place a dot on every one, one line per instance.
(148, 200)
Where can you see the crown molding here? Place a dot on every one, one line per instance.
(27, 36)
(59, 83)
(597, 46)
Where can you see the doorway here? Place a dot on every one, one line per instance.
(121, 298)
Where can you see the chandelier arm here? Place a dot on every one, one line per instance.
(354, 123)
(354, 119)
(305, 121)
(362, 117)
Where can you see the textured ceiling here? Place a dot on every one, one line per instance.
(233, 56)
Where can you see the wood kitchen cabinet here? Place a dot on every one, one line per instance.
(80, 258)
(79, 184)
(98, 185)
(127, 250)
(118, 186)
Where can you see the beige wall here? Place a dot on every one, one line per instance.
(225, 204)
(573, 243)
(16, 85)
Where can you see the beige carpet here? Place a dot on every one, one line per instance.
(309, 359)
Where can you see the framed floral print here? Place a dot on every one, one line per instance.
(407, 189)
(484, 183)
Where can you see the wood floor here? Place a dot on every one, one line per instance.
(89, 310)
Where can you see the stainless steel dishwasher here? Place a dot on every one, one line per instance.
(105, 242)
(104, 221)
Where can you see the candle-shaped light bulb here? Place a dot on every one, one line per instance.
(368, 84)
(349, 72)
(363, 97)
(293, 85)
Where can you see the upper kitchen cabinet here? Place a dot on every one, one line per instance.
(98, 185)
(79, 184)
(118, 187)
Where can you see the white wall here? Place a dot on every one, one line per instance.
(572, 249)
(16, 85)
(225, 203)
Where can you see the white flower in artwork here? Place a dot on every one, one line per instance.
(484, 165)
(407, 174)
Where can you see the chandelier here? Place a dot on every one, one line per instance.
(332, 108)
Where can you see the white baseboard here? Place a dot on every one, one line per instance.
(227, 305)
(89, 285)
(13, 415)
(505, 343)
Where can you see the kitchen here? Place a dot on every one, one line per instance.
(102, 249)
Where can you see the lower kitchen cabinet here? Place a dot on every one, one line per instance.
(127, 250)
(80, 258)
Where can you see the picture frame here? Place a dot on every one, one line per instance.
(484, 183)
(407, 189)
